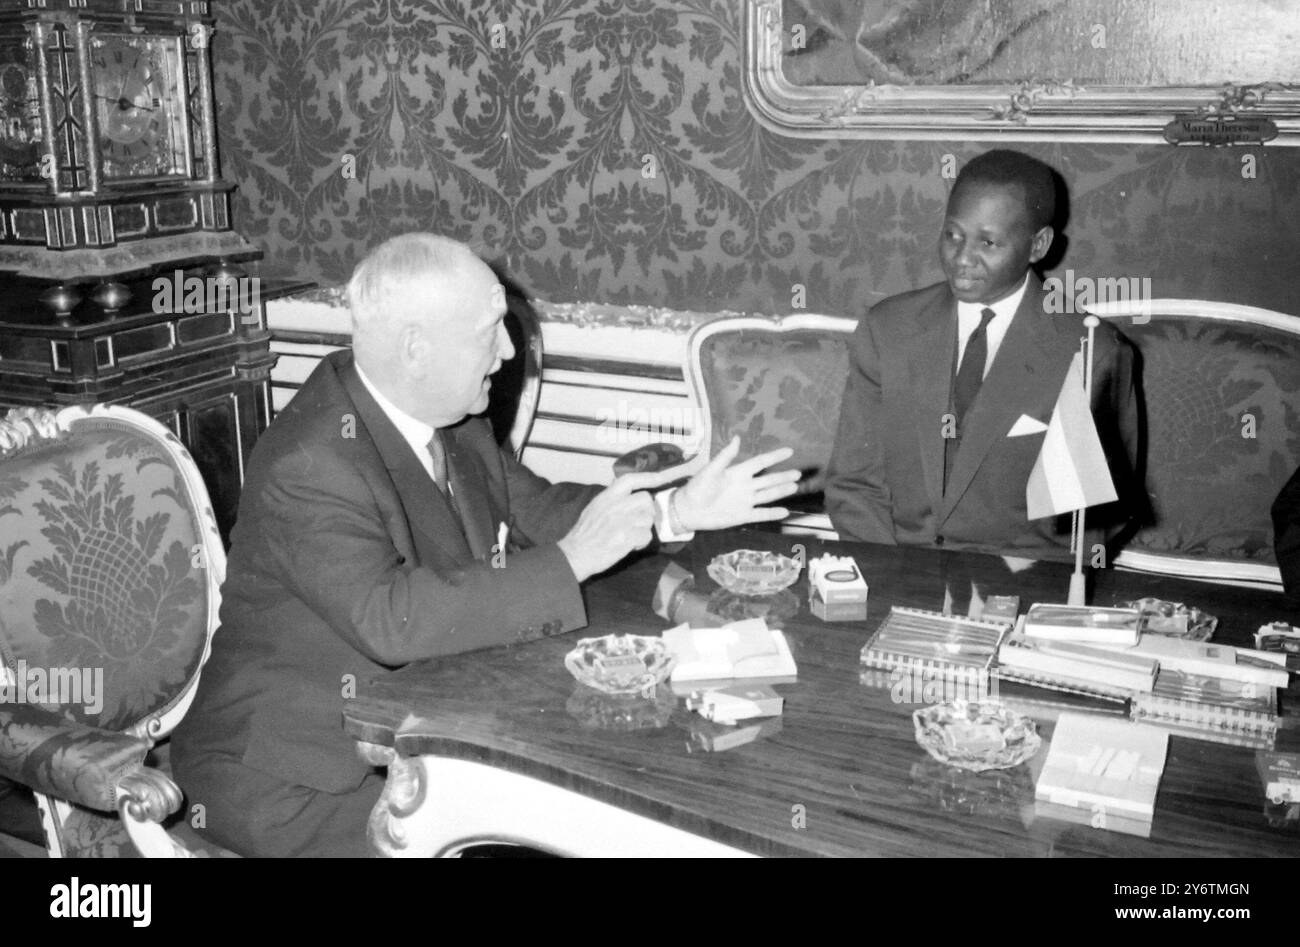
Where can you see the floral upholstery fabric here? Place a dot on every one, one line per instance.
(99, 572)
(1223, 433)
(89, 834)
(71, 761)
(777, 389)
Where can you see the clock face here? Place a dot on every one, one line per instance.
(139, 95)
(20, 115)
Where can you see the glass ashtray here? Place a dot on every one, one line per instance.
(976, 735)
(621, 713)
(1173, 619)
(621, 664)
(753, 571)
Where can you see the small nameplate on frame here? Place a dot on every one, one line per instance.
(1218, 130)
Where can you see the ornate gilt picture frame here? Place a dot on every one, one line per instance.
(889, 77)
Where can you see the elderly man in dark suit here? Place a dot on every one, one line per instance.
(366, 539)
(950, 388)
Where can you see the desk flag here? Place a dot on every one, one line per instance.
(1071, 470)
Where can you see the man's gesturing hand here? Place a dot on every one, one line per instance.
(618, 520)
(722, 495)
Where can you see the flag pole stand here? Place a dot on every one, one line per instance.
(1079, 581)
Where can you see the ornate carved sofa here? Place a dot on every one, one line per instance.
(1221, 387)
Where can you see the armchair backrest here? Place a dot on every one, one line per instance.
(1221, 385)
(110, 567)
(775, 382)
(517, 387)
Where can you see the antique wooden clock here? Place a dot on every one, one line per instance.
(108, 148)
(110, 181)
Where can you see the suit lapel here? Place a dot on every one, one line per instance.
(469, 479)
(1015, 379)
(426, 509)
(931, 371)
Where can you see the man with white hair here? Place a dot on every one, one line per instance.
(365, 540)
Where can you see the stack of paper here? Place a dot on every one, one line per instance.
(1108, 770)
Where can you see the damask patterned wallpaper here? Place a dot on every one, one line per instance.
(524, 129)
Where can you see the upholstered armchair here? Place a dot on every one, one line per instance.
(110, 565)
(1221, 386)
(774, 382)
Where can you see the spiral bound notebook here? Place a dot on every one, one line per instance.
(916, 638)
(1196, 702)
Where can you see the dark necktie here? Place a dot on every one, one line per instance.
(970, 375)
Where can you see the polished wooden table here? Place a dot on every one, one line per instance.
(504, 745)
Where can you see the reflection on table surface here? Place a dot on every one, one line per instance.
(840, 773)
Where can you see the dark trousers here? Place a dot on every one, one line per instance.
(254, 814)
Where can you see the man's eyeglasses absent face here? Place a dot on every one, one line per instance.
(988, 242)
(460, 341)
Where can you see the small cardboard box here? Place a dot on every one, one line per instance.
(837, 579)
(1280, 773)
(837, 611)
(741, 702)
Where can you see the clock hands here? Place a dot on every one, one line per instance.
(124, 104)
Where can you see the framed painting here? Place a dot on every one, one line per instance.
(1136, 71)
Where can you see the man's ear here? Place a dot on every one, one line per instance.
(1041, 244)
(412, 349)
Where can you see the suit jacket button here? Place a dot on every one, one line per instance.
(938, 540)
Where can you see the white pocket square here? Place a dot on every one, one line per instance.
(1026, 425)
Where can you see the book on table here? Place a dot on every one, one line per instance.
(1103, 766)
(741, 649)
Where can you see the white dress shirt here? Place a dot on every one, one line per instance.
(968, 320)
(416, 433)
